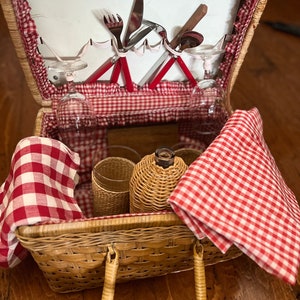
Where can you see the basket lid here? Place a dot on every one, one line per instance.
(33, 22)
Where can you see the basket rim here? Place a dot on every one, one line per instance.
(101, 224)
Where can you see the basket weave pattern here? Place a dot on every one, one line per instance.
(73, 260)
(110, 185)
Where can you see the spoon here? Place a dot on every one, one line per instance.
(189, 39)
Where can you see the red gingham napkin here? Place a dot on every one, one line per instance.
(40, 187)
(235, 194)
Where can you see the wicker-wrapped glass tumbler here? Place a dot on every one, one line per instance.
(110, 185)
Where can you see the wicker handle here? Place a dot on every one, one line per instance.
(199, 271)
(112, 264)
(111, 269)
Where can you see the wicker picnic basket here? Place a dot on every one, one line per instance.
(88, 253)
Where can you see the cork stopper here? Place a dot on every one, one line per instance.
(164, 157)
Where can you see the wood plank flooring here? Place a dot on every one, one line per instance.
(269, 79)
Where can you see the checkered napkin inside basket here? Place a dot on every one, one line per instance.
(235, 194)
(39, 188)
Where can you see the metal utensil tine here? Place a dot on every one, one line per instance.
(115, 26)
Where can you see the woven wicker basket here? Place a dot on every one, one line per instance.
(78, 255)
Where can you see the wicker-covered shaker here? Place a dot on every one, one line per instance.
(153, 179)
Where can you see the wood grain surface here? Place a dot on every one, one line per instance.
(269, 80)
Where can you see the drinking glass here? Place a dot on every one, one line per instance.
(207, 110)
(76, 118)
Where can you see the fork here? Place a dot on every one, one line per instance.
(115, 25)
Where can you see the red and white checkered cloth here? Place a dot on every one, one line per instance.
(235, 194)
(40, 187)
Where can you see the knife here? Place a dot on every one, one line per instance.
(135, 19)
(199, 13)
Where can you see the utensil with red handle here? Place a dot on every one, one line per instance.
(189, 39)
(196, 17)
(138, 36)
(115, 26)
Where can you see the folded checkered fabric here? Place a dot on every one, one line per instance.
(39, 187)
(235, 194)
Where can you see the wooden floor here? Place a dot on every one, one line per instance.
(269, 80)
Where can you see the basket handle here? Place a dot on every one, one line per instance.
(111, 269)
(199, 272)
(112, 264)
